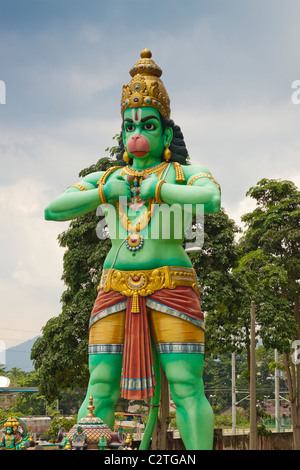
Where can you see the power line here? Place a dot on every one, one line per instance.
(9, 338)
(24, 331)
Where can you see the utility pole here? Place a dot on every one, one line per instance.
(253, 423)
(277, 405)
(233, 394)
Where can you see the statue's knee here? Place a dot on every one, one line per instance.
(184, 375)
(104, 379)
(184, 391)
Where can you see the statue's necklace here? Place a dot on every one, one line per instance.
(134, 240)
(9, 439)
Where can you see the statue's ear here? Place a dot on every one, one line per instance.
(168, 135)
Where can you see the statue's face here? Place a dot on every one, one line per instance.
(143, 134)
(9, 430)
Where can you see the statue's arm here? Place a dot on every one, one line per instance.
(76, 200)
(200, 188)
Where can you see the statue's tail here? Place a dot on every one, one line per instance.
(154, 404)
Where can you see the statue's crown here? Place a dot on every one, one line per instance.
(11, 422)
(146, 88)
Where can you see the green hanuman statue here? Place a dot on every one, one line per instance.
(147, 311)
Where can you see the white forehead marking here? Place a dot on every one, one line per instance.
(136, 115)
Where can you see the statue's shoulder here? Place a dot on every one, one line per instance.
(199, 175)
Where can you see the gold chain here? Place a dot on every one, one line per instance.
(148, 171)
(142, 223)
(145, 218)
(147, 214)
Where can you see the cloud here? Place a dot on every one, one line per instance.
(30, 281)
(242, 145)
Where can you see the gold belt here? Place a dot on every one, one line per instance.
(146, 282)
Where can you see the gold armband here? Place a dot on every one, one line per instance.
(79, 186)
(204, 175)
(157, 191)
(180, 178)
(101, 194)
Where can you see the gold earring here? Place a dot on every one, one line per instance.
(167, 152)
(126, 157)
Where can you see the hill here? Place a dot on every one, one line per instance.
(19, 356)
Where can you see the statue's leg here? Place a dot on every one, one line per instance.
(194, 415)
(105, 365)
(180, 346)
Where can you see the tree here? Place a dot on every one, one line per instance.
(217, 378)
(26, 403)
(59, 423)
(268, 270)
(214, 265)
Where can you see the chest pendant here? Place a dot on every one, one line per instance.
(135, 241)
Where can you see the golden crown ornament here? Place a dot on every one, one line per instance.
(146, 88)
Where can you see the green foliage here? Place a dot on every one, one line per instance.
(214, 264)
(57, 423)
(217, 378)
(261, 418)
(269, 262)
(264, 269)
(225, 420)
(22, 404)
(27, 403)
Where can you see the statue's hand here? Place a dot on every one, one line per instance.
(148, 187)
(116, 187)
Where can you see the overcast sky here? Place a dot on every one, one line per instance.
(228, 66)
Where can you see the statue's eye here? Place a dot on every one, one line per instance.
(130, 128)
(149, 127)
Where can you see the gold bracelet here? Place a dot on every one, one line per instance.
(204, 176)
(101, 194)
(79, 186)
(157, 191)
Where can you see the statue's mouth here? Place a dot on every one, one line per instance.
(139, 153)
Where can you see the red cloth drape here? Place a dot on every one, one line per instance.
(138, 379)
